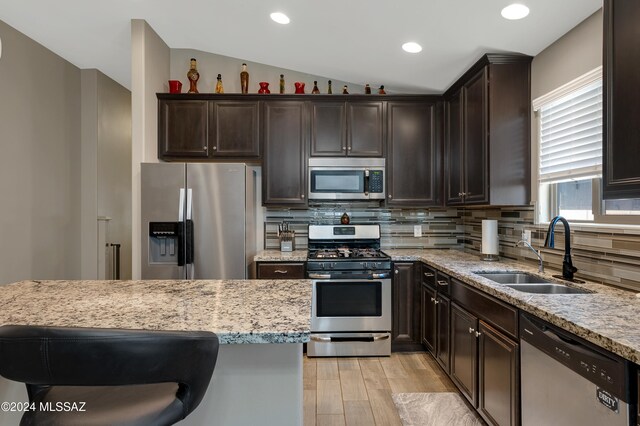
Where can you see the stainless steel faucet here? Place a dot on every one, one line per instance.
(567, 267)
(537, 252)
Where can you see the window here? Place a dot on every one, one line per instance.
(570, 156)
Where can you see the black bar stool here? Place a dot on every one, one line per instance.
(123, 377)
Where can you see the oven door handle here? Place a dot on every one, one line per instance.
(319, 276)
(380, 276)
(350, 339)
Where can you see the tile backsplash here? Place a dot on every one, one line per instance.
(609, 255)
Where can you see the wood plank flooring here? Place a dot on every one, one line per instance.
(357, 391)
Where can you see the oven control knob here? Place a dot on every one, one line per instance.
(332, 265)
(321, 265)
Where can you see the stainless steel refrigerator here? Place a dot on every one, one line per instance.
(198, 220)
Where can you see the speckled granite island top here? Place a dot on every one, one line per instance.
(238, 311)
(608, 317)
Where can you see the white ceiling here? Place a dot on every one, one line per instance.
(355, 40)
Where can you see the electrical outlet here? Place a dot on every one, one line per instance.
(526, 235)
(417, 231)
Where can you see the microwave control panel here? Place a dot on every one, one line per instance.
(376, 181)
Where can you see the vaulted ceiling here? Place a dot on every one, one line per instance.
(355, 40)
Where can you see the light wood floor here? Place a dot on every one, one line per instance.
(357, 391)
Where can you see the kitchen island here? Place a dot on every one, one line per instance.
(261, 325)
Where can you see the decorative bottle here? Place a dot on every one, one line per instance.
(367, 89)
(315, 90)
(219, 88)
(329, 91)
(244, 79)
(281, 84)
(193, 75)
(344, 90)
(381, 91)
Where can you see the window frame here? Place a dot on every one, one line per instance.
(545, 199)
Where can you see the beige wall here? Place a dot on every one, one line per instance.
(106, 170)
(572, 55)
(40, 162)
(149, 75)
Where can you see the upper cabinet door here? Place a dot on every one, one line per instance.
(284, 180)
(413, 154)
(365, 134)
(475, 140)
(453, 150)
(328, 129)
(183, 128)
(235, 129)
(621, 96)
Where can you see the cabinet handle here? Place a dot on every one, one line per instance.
(460, 194)
(390, 196)
(429, 275)
(349, 149)
(443, 283)
(344, 148)
(478, 334)
(433, 299)
(302, 196)
(205, 147)
(280, 271)
(471, 330)
(397, 272)
(215, 148)
(435, 302)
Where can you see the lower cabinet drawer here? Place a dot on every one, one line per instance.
(279, 270)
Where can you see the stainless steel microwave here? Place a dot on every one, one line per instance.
(345, 178)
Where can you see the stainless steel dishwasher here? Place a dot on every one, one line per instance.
(566, 381)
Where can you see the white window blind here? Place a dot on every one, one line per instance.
(571, 135)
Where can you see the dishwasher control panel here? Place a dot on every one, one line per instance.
(606, 370)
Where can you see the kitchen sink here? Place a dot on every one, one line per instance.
(547, 288)
(512, 277)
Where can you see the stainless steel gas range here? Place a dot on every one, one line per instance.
(351, 310)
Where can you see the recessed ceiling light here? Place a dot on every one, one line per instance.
(411, 47)
(280, 18)
(515, 11)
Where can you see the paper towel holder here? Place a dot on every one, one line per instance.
(490, 243)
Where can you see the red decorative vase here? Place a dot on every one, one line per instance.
(299, 87)
(264, 87)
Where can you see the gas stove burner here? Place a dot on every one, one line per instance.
(360, 253)
(325, 254)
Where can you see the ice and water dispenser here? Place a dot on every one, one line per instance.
(168, 245)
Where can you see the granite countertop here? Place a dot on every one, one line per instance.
(281, 256)
(238, 311)
(606, 318)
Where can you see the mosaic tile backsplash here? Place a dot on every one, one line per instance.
(608, 255)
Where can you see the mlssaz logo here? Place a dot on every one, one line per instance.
(607, 399)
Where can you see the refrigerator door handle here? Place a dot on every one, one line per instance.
(181, 206)
(189, 203)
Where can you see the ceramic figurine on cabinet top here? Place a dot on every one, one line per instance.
(344, 90)
(264, 88)
(193, 75)
(219, 88)
(367, 89)
(299, 87)
(381, 91)
(315, 90)
(329, 91)
(281, 84)
(244, 79)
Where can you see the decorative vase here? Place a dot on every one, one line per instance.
(381, 91)
(175, 86)
(329, 91)
(244, 79)
(299, 87)
(315, 90)
(344, 90)
(193, 75)
(281, 84)
(219, 88)
(264, 88)
(367, 89)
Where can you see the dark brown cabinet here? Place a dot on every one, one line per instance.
(487, 134)
(352, 128)
(498, 385)
(414, 154)
(284, 168)
(464, 353)
(429, 317)
(204, 129)
(405, 299)
(280, 270)
(621, 100)
(443, 333)
(183, 128)
(234, 129)
(485, 354)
